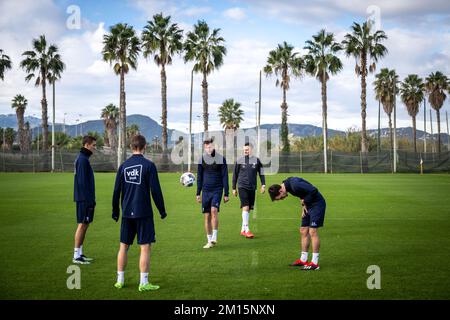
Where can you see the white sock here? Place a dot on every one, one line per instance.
(214, 235)
(81, 250)
(245, 216)
(304, 256)
(144, 277)
(76, 253)
(315, 258)
(209, 237)
(120, 276)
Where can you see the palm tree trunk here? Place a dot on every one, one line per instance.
(414, 133)
(20, 129)
(205, 102)
(122, 119)
(164, 107)
(284, 127)
(438, 119)
(44, 113)
(324, 123)
(391, 137)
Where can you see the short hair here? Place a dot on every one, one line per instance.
(138, 142)
(274, 191)
(208, 141)
(248, 144)
(88, 140)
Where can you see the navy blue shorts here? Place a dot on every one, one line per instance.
(85, 212)
(247, 197)
(142, 227)
(315, 216)
(211, 199)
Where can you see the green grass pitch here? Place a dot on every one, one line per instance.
(399, 222)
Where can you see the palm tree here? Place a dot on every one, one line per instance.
(436, 84)
(110, 113)
(284, 63)
(207, 50)
(20, 103)
(5, 64)
(365, 45)
(36, 65)
(385, 85)
(411, 93)
(230, 114)
(132, 130)
(121, 46)
(320, 62)
(162, 39)
(10, 136)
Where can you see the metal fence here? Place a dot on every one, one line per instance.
(302, 162)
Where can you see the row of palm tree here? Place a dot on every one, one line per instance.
(161, 40)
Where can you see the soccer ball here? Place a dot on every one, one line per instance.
(187, 179)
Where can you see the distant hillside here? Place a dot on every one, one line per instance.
(150, 128)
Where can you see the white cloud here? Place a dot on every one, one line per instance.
(235, 13)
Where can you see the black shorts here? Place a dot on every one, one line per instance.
(315, 216)
(85, 212)
(247, 197)
(211, 199)
(142, 227)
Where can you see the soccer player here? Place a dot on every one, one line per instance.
(84, 196)
(246, 169)
(313, 215)
(212, 180)
(136, 179)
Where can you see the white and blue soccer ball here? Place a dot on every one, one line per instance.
(187, 179)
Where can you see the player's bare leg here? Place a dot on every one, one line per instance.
(144, 264)
(305, 243)
(315, 241)
(215, 224)
(80, 234)
(122, 260)
(208, 229)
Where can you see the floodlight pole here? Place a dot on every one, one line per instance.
(395, 130)
(424, 125)
(53, 128)
(259, 117)
(190, 122)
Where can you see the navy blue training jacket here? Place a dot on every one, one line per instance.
(303, 189)
(136, 179)
(84, 185)
(212, 173)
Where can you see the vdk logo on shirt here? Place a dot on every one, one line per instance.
(133, 174)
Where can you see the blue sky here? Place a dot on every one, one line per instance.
(418, 42)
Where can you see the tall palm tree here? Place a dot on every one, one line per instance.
(110, 115)
(320, 62)
(5, 64)
(36, 65)
(411, 93)
(364, 44)
(162, 39)
(284, 63)
(436, 84)
(121, 46)
(207, 50)
(385, 85)
(55, 68)
(20, 103)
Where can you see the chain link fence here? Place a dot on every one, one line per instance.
(298, 162)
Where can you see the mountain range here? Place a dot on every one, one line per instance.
(150, 128)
